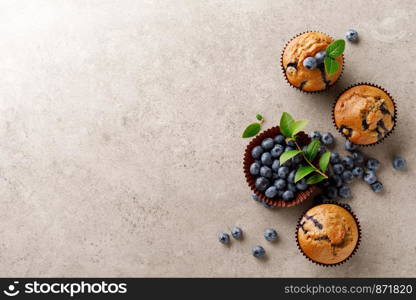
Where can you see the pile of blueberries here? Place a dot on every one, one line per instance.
(278, 180)
(258, 251)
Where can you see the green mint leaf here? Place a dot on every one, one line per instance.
(298, 126)
(285, 124)
(336, 48)
(302, 172)
(324, 161)
(315, 179)
(251, 130)
(331, 65)
(312, 150)
(288, 155)
(259, 117)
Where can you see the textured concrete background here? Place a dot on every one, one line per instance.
(120, 148)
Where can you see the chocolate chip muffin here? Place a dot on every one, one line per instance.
(328, 234)
(303, 46)
(364, 114)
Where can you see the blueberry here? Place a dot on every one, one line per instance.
(358, 157)
(288, 195)
(283, 172)
(348, 162)
(262, 183)
(301, 185)
(373, 164)
(279, 139)
(347, 176)
(257, 152)
(310, 63)
(291, 143)
(224, 238)
(258, 252)
(358, 172)
(320, 57)
(351, 35)
(291, 177)
(315, 135)
(344, 192)
(270, 235)
(377, 187)
(327, 138)
(331, 192)
(292, 187)
(287, 163)
(267, 205)
(336, 180)
(254, 168)
(288, 148)
(349, 146)
(237, 233)
(399, 163)
(255, 198)
(271, 192)
(275, 176)
(277, 150)
(267, 143)
(266, 159)
(335, 158)
(275, 165)
(338, 168)
(280, 184)
(370, 177)
(297, 159)
(266, 172)
(322, 150)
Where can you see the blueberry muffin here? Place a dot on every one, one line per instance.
(297, 50)
(364, 114)
(328, 234)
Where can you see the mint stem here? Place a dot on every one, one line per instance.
(307, 160)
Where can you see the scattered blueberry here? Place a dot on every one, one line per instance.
(266, 172)
(358, 157)
(262, 183)
(283, 172)
(275, 165)
(310, 63)
(270, 235)
(224, 238)
(277, 150)
(351, 35)
(237, 233)
(331, 192)
(288, 195)
(377, 187)
(255, 168)
(347, 176)
(338, 168)
(327, 138)
(373, 164)
(349, 146)
(301, 185)
(266, 159)
(344, 192)
(320, 57)
(399, 163)
(280, 184)
(336, 180)
(279, 139)
(335, 158)
(348, 162)
(258, 252)
(358, 172)
(267, 144)
(315, 135)
(257, 152)
(370, 177)
(291, 177)
(271, 192)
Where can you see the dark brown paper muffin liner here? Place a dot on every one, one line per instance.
(345, 206)
(301, 196)
(296, 87)
(374, 85)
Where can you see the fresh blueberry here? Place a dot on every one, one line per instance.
(280, 184)
(271, 192)
(279, 139)
(288, 148)
(297, 159)
(373, 164)
(331, 192)
(292, 187)
(358, 172)
(291, 143)
(310, 63)
(280, 193)
(315, 135)
(262, 183)
(324, 183)
(255, 198)
(267, 205)
(338, 168)
(291, 177)
(237, 233)
(287, 163)
(320, 57)
(270, 235)
(336, 180)
(275, 165)
(322, 150)
(399, 163)
(275, 176)
(283, 172)
(255, 168)
(277, 150)
(257, 152)
(267, 144)
(258, 252)
(224, 238)
(351, 35)
(377, 187)
(301, 185)
(266, 172)
(344, 192)
(327, 138)
(358, 157)
(266, 159)
(348, 162)
(347, 176)
(335, 158)
(349, 146)
(370, 177)
(288, 195)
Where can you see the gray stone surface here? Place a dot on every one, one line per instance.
(120, 135)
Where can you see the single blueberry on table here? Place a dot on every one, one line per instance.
(327, 138)
(262, 183)
(399, 163)
(255, 197)
(336, 180)
(237, 233)
(310, 63)
(266, 159)
(292, 187)
(279, 139)
(276, 165)
(338, 168)
(331, 192)
(348, 162)
(270, 235)
(280, 184)
(291, 177)
(370, 177)
(373, 164)
(334, 158)
(349, 146)
(320, 56)
(351, 35)
(257, 152)
(288, 195)
(283, 172)
(358, 172)
(266, 172)
(377, 187)
(315, 135)
(277, 150)
(358, 157)
(347, 176)
(301, 185)
(258, 252)
(224, 238)
(271, 192)
(255, 168)
(344, 192)
(267, 143)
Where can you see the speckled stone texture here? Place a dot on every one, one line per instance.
(120, 148)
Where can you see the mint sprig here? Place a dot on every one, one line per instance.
(254, 128)
(334, 50)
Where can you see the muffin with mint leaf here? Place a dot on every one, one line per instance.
(312, 61)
